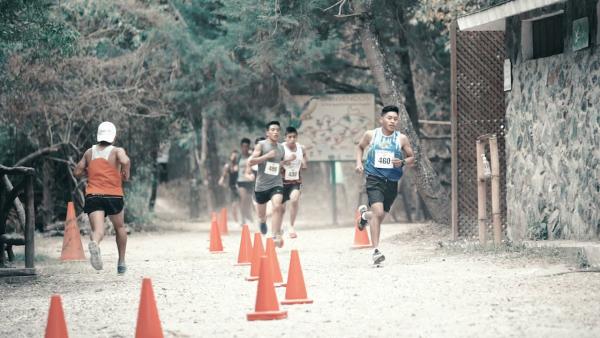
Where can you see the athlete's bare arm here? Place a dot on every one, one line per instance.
(80, 168)
(409, 158)
(360, 150)
(125, 164)
(255, 158)
(248, 171)
(304, 159)
(224, 175)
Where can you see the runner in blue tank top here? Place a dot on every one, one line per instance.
(389, 151)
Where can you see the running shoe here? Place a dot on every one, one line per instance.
(263, 228)
(278, 241)
(121, 268)
(362, 222)
(95, 257)
(292, 232)
(378, 257)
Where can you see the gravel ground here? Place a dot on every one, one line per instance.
(423, 290)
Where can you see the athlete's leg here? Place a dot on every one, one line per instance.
(375, 217)
(121, 234)
(97, 224)
(294, 204)
(235, 210)
(277, 217)
(245, 205)
(261, 209)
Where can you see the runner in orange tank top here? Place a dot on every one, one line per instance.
(107, 167)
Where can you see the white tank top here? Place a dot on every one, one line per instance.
(292, 171)
(104, 153)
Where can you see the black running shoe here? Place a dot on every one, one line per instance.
(263, 228)
(362, 222)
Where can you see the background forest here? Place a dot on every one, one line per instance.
(195, 74)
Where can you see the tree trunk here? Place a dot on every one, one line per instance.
(47, 201)
(406, 75)
(194, 204)
(154, 188)
(211, 166)
(434, 195)
(17, 203)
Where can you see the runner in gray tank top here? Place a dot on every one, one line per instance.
(268, 154)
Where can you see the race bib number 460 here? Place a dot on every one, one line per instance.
(272, 168)
(383, 159)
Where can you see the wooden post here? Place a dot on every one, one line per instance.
(481, 194)
(30, 224)
(333, 192)
(454, 130)
(495, 164)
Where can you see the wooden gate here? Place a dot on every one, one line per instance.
(478, 108)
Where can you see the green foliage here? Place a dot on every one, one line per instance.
(155, 68)
(137, 195)
(26, 27)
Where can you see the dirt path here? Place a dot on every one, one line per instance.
(422, 290)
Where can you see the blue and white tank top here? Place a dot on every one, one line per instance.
(382, 150)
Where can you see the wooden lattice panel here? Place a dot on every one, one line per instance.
(480, 110)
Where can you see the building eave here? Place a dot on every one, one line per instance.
(494, 18)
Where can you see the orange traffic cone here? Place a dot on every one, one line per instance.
(56, 326)
(223, 222)
(266, 307)
(216, 246)
(257, 253)
(274, 263)
(295, 293)
(148, 323)
(361, 238)
(245, 255)
(72, 249)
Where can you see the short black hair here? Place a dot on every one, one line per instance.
(388, 109)
(272, 123)
(258, 139)
(290, 130)
(245, 140)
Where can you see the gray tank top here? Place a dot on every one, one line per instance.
(242, 170)
(269, 172)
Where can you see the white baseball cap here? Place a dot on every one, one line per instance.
(106, 132)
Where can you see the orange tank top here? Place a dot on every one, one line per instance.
(103, 178)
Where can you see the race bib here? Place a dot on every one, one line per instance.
(272, 168)
(383, 159)
(291, 174)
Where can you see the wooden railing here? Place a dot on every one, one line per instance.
(8, 240)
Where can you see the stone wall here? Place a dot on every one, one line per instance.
(553, 147)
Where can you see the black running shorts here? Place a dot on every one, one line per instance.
(287, 190)
(111, 205)
(248, 185)
(262, 197)
(381, 190)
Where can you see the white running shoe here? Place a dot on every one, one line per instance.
(95, 256)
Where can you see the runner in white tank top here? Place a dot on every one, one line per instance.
(292, 178)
